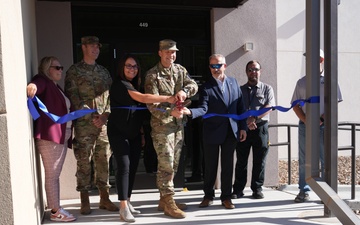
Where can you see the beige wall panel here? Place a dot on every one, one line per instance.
(18, 48)
(232, 28)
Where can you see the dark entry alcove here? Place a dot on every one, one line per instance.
(138, 30)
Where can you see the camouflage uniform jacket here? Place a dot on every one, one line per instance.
(88, 85)
(161, 81)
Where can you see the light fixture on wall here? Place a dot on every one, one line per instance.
(248, 46)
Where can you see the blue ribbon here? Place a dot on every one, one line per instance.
(301, 102)
(57, 119)
(82, 112)
(70, 116)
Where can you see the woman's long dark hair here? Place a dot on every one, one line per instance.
(136, 82)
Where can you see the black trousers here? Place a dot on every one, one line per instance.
(127, 154)
(258, 140)
(211, 159)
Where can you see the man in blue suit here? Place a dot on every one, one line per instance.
(220, 95)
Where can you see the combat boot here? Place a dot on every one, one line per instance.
(171, 209)
(105, 202)
(161, 205)
(85, 203)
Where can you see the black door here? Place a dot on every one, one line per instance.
(138, 31)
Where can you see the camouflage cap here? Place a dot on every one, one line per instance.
(90, 40)
(167, 44)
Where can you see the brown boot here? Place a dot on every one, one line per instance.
(85, 203)
(105, 202)
(161, 205)
(171, 209)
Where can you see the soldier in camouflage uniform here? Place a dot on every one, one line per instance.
(168, 78)
(87, 85)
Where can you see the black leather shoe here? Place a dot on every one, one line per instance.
(237, 195)
(205, 203)
(228, 204)
(258, 195)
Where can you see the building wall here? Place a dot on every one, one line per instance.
(6, 194)
(290, 19)
(231, 29)
(20, 198)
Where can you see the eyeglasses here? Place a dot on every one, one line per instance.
(253, 70)
(129, 67)
(215, 66)
(58, 67)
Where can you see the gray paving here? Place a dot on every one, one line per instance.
(277, 207)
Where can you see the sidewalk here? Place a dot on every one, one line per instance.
(277, 207)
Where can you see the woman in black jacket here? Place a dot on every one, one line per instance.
(124, 125)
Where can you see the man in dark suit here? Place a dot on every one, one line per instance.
(220, 95)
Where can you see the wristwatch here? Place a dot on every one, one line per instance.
(186, 90)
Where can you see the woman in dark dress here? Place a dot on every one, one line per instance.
(124, 127)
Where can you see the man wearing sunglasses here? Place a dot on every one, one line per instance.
(87, 85)
(257, 95)
(220, 95)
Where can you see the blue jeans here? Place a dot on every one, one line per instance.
(302, 149)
